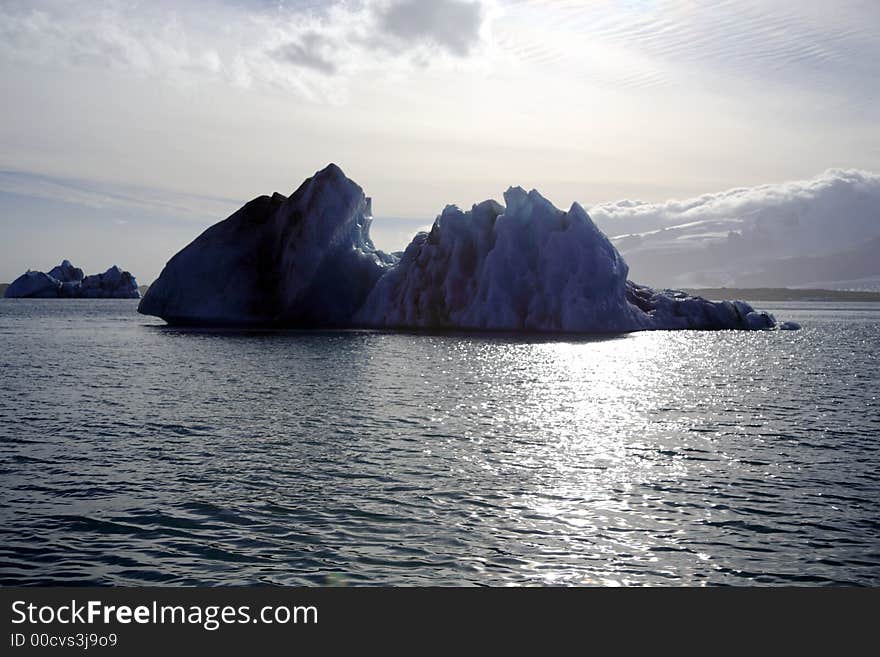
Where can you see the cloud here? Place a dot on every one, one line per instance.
(825, 49)
(307, 52)
(115, 197)
(453, 25)
(307, 47)
(825, 194)
(713, 44)
(735, 235)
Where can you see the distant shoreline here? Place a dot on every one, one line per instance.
(782, 294)
(746, 294)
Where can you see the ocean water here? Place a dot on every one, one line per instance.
(133, 453)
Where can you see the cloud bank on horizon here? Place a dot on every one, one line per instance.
(142, 120)
(824, 231)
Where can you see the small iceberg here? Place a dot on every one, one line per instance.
(68, 282)
(307, 261)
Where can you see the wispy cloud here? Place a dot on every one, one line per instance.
(116, 197)
(830, 47)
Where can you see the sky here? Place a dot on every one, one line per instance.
(128, 127)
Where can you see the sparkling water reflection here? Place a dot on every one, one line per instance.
(133, 453)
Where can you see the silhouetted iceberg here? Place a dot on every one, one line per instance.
(527, 266)
(308, 261)
(68, 282)
(67, 273)
(113, 283)
(34, 284)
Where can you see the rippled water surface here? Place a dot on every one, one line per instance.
(133, 453)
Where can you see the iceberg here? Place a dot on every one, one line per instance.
(112, 284)
(524, 267)
(304, 260)
(307, 261)
(68, 282)
(67, 273)
(35, 285)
